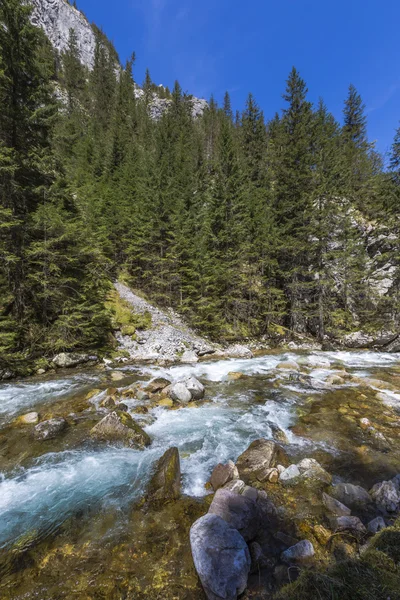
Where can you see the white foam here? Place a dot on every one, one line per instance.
(16, 397)
(41, 497)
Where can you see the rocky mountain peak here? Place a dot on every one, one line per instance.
(56, 18)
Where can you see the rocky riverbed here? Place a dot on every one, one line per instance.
(85, 515)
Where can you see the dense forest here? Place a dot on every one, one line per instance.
(240, 223)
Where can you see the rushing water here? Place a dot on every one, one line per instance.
(47, 482)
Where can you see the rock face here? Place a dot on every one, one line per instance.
(238, 510)
(255, 463)
(66, 361)
(56, 18)
(221, 557)
(222, 474)
(165, 484)
(48, 430)
(120, 427)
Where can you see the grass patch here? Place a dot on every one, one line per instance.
(376, 576)
(124, 319)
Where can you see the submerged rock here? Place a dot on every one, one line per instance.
(335, 506)
(48, 430)
(301, 552)
(221, 557)
(289, 365)
(238, 510)
(386, 496)
(255, 462)
(117, 376)
(351, 495)
(222, 474)
(29, 419)
(165, 483)
(119, 426)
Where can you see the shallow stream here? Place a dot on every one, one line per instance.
(71, 524)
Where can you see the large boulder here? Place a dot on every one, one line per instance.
(47, 430)
(386, 496)
(195, 388)
(348, 524)
(222, 474)
(157, 385)
(353, 496)
(255, 462)
(335, 507)
(66, 361)
(119, 427)
(179, 392)
(238, 510)
(165, 483)
(221, 557)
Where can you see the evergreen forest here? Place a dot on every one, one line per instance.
(240, 221)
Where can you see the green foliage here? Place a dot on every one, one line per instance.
(376, 576)
(239, 224)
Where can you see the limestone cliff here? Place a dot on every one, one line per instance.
(57, 17)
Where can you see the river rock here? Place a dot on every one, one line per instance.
(376, 525)
(353, 496)
(347, 523)
(195, 388)
(66, 361)
(221, 557)
(386, 496)
(335, 507)
(157, 385)
(289, 365)
(299, 553)
(48, 430)
(142, 396)
(290, 475)
(180, 393)
(260, 456)
(108, 402)
(189, 356)
(238, 510)
(29, 419)
(236, 485)
(222, 474)
(119, 426)
(117, 375)
(236, 375)
(165, 483)
(308, 463)
(238, 351)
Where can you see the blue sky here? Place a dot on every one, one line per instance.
(242, 46)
